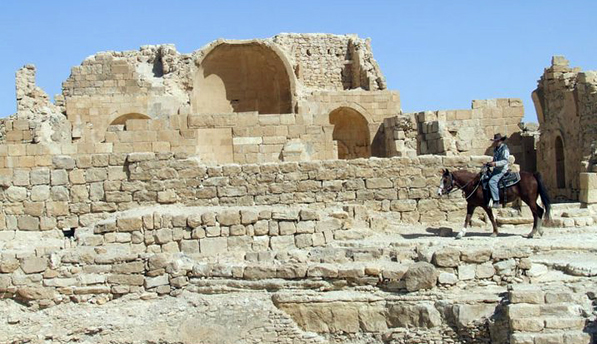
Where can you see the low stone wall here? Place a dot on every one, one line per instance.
(79, 191)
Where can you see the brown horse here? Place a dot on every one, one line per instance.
(528, 189)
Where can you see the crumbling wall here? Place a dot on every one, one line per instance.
(565, 101)
(333, 62)
(37, 119)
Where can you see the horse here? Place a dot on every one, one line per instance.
(528, 189)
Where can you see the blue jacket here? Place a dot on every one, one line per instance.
(500, 157)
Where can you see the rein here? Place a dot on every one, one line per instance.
(462, 187)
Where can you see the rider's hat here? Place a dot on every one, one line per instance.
(499, 137)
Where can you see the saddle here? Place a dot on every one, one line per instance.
(509, 179)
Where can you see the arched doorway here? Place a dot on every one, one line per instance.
(242, 77)
(351, 132)
(560, 164)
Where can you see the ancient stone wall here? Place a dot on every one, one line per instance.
(565, 104)
(74, 191)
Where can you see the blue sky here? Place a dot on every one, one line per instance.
(438, 54)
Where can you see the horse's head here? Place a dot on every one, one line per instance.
(446, 184)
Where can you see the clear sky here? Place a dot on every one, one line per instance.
(438, 54)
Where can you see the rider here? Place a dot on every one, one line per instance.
(501, 153)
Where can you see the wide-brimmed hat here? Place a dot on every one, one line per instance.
(499, 137)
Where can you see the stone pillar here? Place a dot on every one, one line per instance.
(588, 187)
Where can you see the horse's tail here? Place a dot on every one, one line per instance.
(543, 194)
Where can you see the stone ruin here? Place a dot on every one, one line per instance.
(272, 191)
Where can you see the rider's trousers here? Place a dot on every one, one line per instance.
(496, 175)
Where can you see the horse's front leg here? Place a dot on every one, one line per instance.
(492, 219)
(470, 209)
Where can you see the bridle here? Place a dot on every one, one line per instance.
(458, 187)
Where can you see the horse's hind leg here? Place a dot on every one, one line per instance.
(470, 209)
(537, 217)
(492, 219)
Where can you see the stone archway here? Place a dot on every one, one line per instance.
(560, 163)
(242, 77)
(121, 120)
(351, 131)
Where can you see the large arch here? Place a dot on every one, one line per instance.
(560, 163)
(351, 132)
(241, 77)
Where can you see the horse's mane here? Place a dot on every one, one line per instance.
(465, 174)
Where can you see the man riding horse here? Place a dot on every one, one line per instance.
(528, 187)
(501, 153)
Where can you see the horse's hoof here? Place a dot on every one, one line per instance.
(493, 235)
(460, 235)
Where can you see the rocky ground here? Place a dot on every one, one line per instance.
(565, 256)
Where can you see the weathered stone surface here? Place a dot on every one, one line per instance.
(420, 275)
(446, 257)
(31, 265)
(419, 315)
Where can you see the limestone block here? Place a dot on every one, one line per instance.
(527, 295)
(261, 227)
(33, 208)
(470, 313)
(256, 272)
(152, 282)
(303, 240)
(511, 252)
(447, 278)
(466, 272)
(527, 324)
(571, 337)
(236, 230)
(394, 272)
(249, 217)
(309, 215)
(240, 243)
(128, 268)
(447, 257)
(63, 162)
(59, 193)
(35, 293)
(558, 297)
(163, 236)
(305, 227)
(59, 177)
(485, 270)
(378, 183)
(332, 224)
(280, 243)
(208, 219)
(565, 323)
(40, 176)
(213, 246)
(549, 338)
(16, 194)
(537, 270)
(229, 218)
(505, 267)
(417, 316)
(420, 275)
(472, 255)
(167, 196)
(287, 214)
(291, 271)
(352, 272)
(31, 265)
(323, 270)
(8, 264)
(286, 228)
(523, 310)
(403, 205)
(28, 223)
(129, 224)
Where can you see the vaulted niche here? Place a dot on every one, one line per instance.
(240, 78)
(351, 132)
